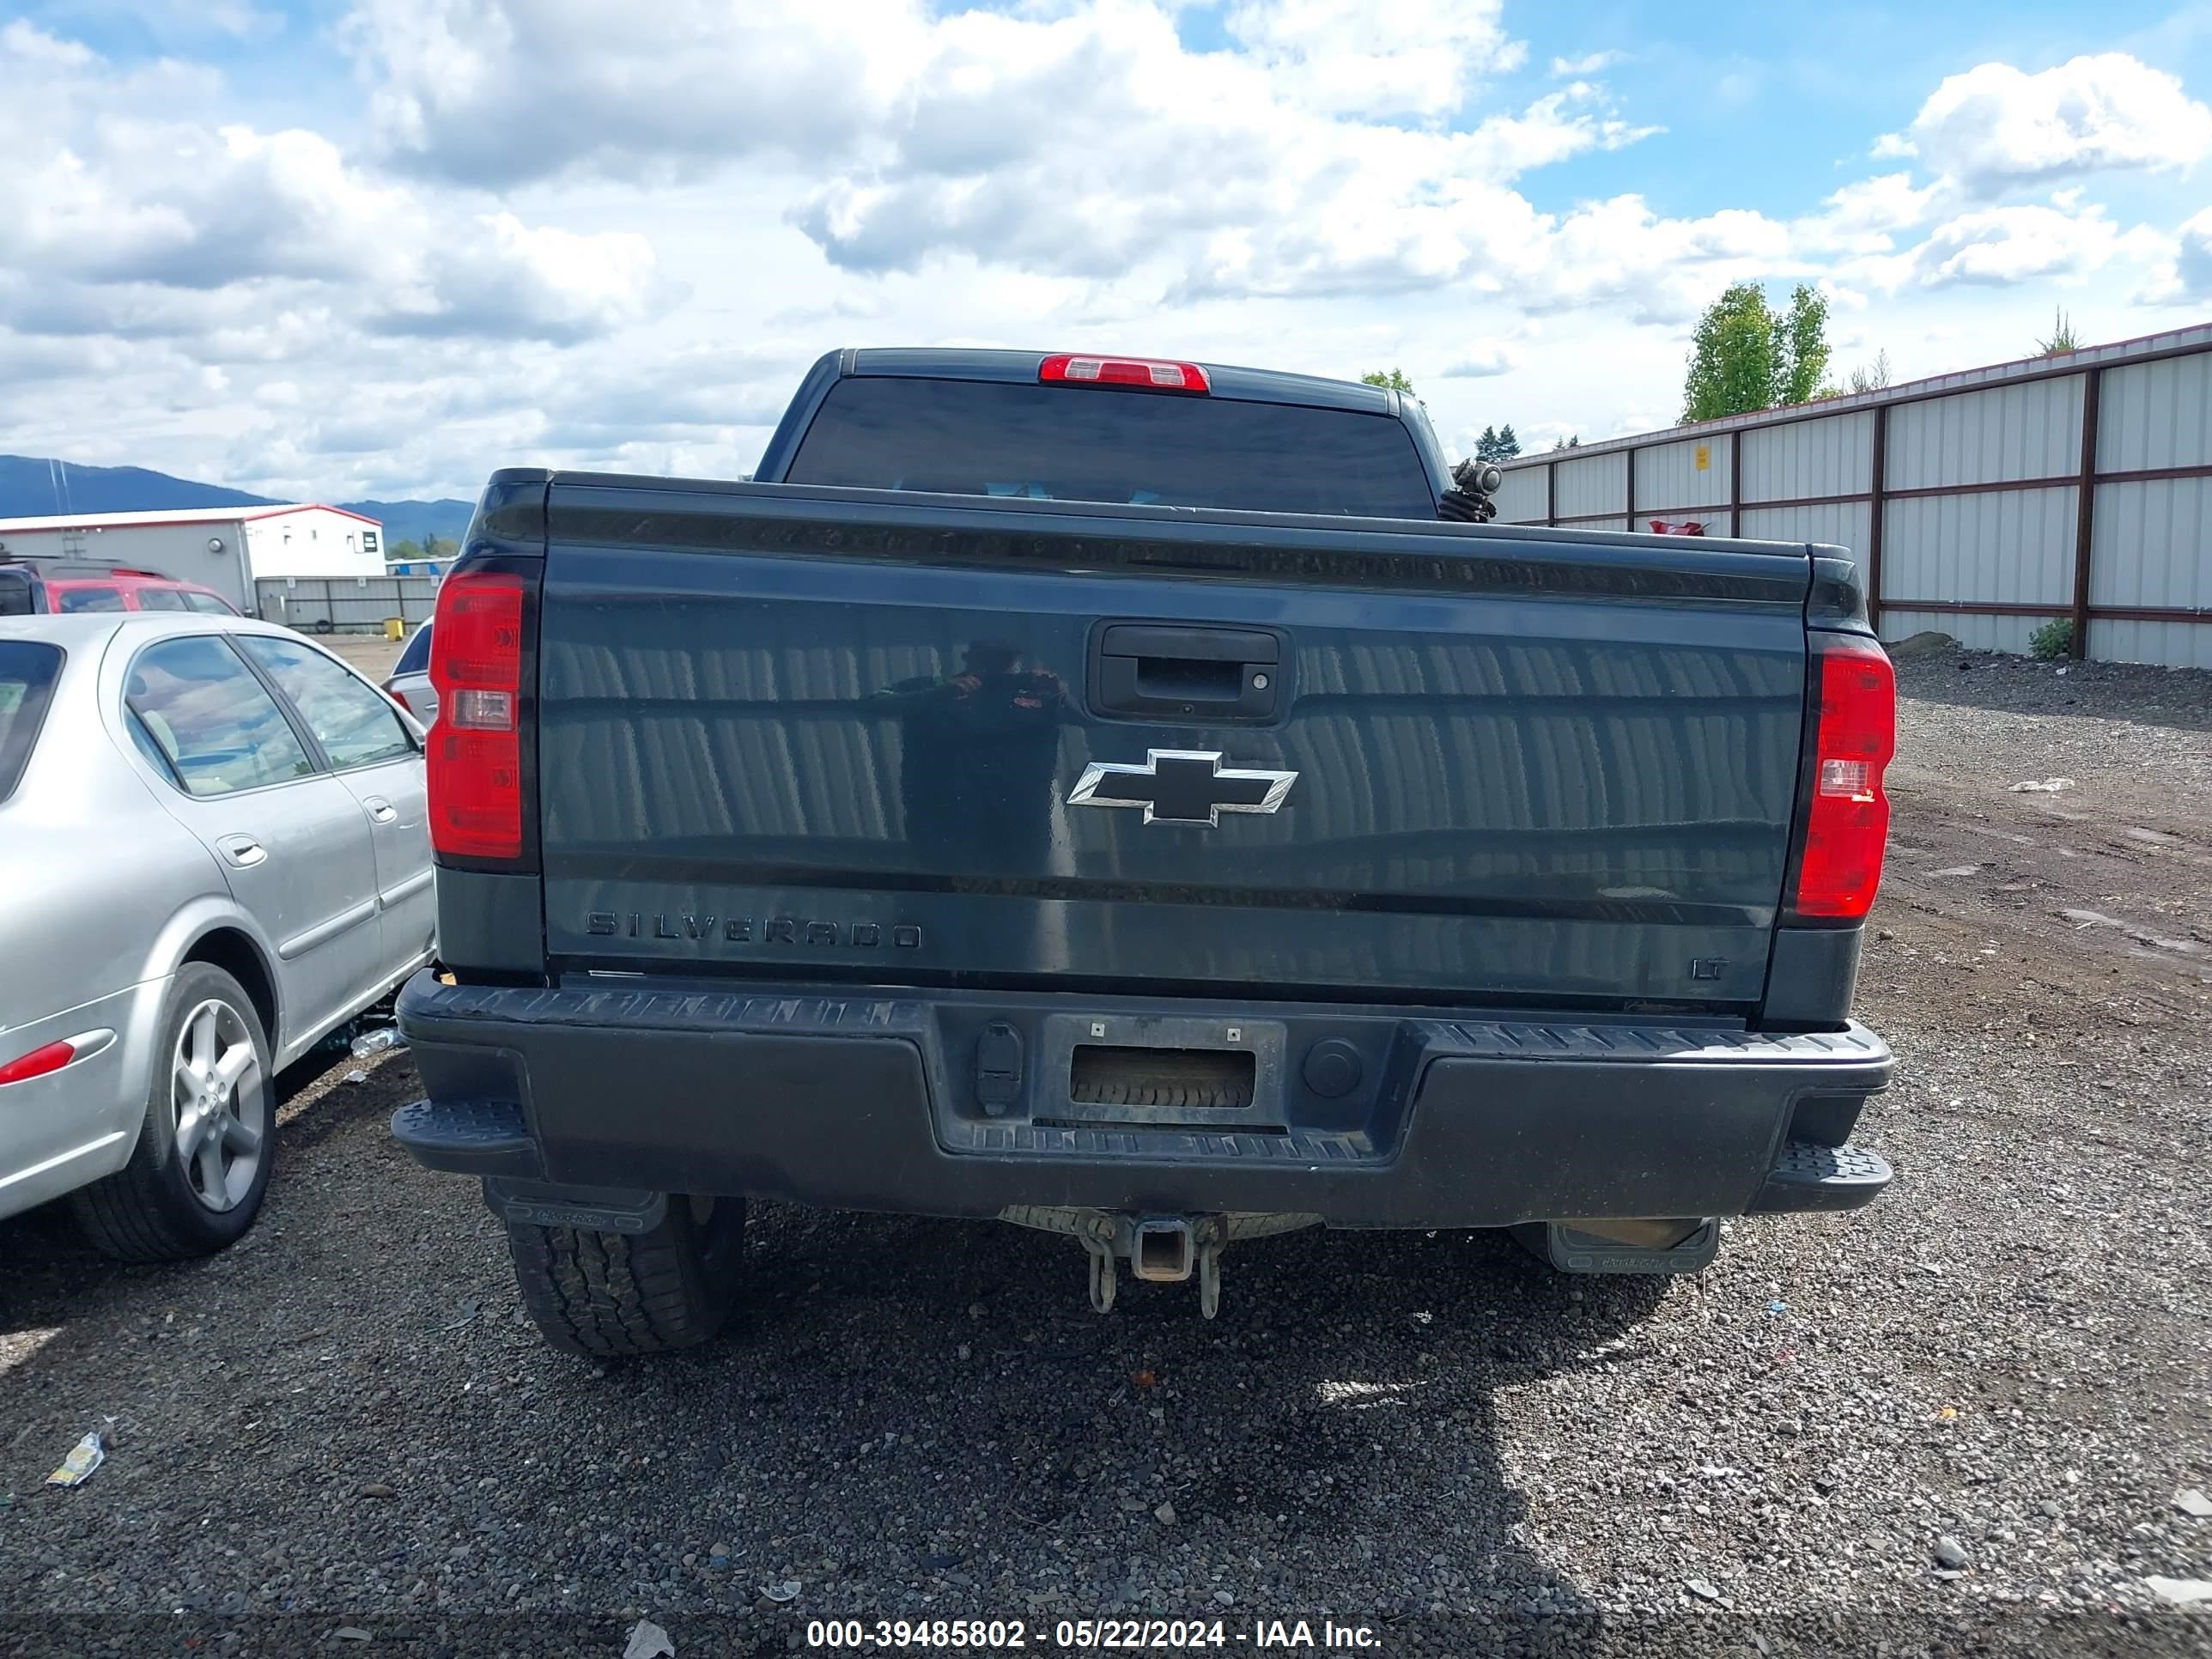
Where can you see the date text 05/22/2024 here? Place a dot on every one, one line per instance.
(1107, 1635)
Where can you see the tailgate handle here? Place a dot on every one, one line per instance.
(1217, 673)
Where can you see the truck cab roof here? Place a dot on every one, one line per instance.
(1254, 385)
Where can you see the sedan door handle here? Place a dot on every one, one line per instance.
(243, 851)
(380, 809)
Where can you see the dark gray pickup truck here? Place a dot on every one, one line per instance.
(1101, 794)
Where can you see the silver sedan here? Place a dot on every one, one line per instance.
(214, 849)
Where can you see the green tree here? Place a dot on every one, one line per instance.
(1575, 442)
(1497, 444)
(436, 547)
(2062, 337)
(1732, 357)
(1744, 356)
(1804, 337)
(401, 551)
(1390, 380)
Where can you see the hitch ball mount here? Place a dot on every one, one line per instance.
(1163, 1249)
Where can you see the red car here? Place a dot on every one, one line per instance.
(31, 586)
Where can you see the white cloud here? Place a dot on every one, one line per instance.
(529, 231)
(1483, 358)
(498, 92)
(2011, 245)
(506, 277)
(1081, 141)
(1376, 57)
(166, 228)
(1865, 217)
(1594, 63)
(2193, 261)
(1996, 127)
(2183, 274)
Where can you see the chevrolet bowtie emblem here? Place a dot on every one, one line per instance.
(1181, 786)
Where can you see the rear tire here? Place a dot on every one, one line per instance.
(605, 1295)
(196, 1177)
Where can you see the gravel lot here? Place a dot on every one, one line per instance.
(341, 1434)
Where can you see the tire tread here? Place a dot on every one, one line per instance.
(608, 1295)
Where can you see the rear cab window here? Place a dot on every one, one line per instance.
(160, 598)
(29, 669)
(1085, 444)
(207, 604)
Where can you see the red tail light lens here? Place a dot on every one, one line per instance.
(475, 749)
(38, 1063)
(1147, 373)
(1847, 826)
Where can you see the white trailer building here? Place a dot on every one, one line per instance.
(225, 548)
(2075, 487)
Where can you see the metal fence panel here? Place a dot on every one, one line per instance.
(1841, 524)
(1599, 484)
(1833, 456)
(1521, 497)
(345, 604)
(2152, 415)
(1980, 502)
(1976, 633)
(2150, 543)
(1668, 477)
(2032, 431)
(1994, 547)
(2175, 644)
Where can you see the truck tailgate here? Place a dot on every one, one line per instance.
(911, 739)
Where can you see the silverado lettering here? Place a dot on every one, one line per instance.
(737, 929)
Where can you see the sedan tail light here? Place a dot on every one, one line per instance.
(50, 1057)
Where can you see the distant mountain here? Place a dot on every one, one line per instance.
(31, 487)
(407, 521)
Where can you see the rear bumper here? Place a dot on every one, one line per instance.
(873, 1102)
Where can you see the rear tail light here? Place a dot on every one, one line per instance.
(1145, 373)
(1847, 821)
(475, 749)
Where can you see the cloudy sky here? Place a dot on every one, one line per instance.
(329, 250)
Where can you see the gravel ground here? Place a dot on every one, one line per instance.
(343, 1433)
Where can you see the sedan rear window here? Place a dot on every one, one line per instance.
(1082, 444)
(86, 598)
(27, 671)
(212, 719)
